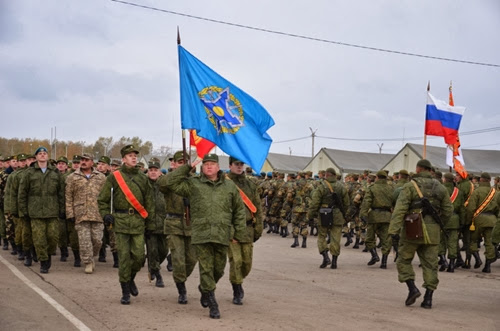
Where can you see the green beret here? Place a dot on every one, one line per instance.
(105, 159)
(211, 158)
(128, 149)
(486, 176)
(381, 174)
(62, 159)
(423, 163)
(404, 172)
(232, 159)
(331, 171)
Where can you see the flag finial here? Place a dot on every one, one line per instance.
(428, 86)
(178, 36)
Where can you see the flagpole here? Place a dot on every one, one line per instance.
(425, 135)
(451, 103)
(184, 152)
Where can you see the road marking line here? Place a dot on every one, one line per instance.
(70, 317)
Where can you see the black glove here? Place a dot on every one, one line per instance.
(72, 220)
(148, 234)
(108, 220)
(62, 216)
(395, 237)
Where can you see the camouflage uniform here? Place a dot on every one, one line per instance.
(287, 190)
(299, 212)
(14, 224)
(7, 225)
(67, 232)
(276, 205)
(466, 188)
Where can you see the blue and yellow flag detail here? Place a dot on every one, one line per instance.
(222, 113)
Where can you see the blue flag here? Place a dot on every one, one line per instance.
(222, 113)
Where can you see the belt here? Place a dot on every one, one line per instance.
(382, 208)
(130, 211)
(175, 215)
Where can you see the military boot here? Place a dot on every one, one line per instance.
(5, 246)
(102, 254)
(467, 261)
(169, 263)
(295, 242)
(28, 259)
(242, 293)
(356, 243)
(115, 260)
(64, 254)
(89, 268)
(181, 289)
(443, 263)
(236, 295)
(214, 307)
(374, 258)
(383, 264)
(49, 262)
(282, 231)
(413, 293)
(451, 266)
(133, 288)
(78, 261)
(20, 253)
(33, 254)
(427, 303)
(43, 267)
(14, 248)
(349, 239)
(326, 259)
(304, 242)
(487, 265)
(334, 262)
(276, 228)
(203, 298)
(125, 300)
(270, 228)
(459, 262)
(478, 260)
(159, 280)
(286, 232)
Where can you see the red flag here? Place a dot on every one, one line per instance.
(203, 146)
(458, 163)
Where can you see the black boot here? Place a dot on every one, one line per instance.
(304, 242)
(326, 259)
(282, 231)
(383, 264)
(64, 254)
(459, 262)
(334, 262)
(20, 253)
(413, 293)
(28, 260)
(115, 260)
(49, 262)
(102, 254)
(181, 288)
(374, 258)
(214, 307)
(295, 242)
(203, 298)
(356, 243)
(427, 303)
(159, 280)
(467, 261)
(5, 246)
(451, 266)
(169, 263)
(349, 239)
(270, 228)
(487, 264)
(14, 248)
(286, 232)
(478, 260)
(236, 295)
(125, 300)
(276, 228)
(133, 288)
(43, 267)
(78, 261)
(443, 263)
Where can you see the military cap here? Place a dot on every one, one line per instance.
(41, 149)
(309, 173)
(179, 155)
(381, 174)
(449, 176)
(211, 158)
(404, 172)
(423, 163)
(141, 164)
(396, 173)
(366, 172)
(52, 162)
(301, 174)
(372, 176)
(87, 156)
(438, 174)
(321, 172)
(248, 170)
(128, 149)
(232, 159)
(22, 157)
(486, 176)
(76, 158)
(62, 159)
(105, 159)
(154, 164)
(7, 158)
(331, 170)
(262, 174)
(116, 163)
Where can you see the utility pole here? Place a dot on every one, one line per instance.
(313, 135)
(380, 148)
(290, 150)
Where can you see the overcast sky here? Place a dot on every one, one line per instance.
(101, 68)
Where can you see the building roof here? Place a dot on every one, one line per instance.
(349, 161)
(287, 163)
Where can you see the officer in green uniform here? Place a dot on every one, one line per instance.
(466, 188)
(241, 252)
(9, 219)
(41, 202)
(62, 166)
(128, 220)
(217, 216)
(376, 211)
(427, 246)
(482, 214)
(322, 197)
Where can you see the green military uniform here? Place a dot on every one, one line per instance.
(7, 226)
(128, 224)
(276, 205)
(321, 198)
(482, 224)
(287, 191)
(466, 188)
(376, 210)
(426, 247)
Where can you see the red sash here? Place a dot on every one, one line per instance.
(246, 200)
(129, 195)
(454, 195)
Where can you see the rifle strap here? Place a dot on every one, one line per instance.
(329, 186)
(417, 188)
(129, 195)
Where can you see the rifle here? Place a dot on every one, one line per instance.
(428, 209)
(187, 206)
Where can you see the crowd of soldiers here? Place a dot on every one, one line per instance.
(144, 214)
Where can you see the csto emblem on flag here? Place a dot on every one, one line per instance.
(224, 110)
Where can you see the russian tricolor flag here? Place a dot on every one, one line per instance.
(442, 120)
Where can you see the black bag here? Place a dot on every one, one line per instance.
(326, 217)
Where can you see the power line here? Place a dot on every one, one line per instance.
(307, 37)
